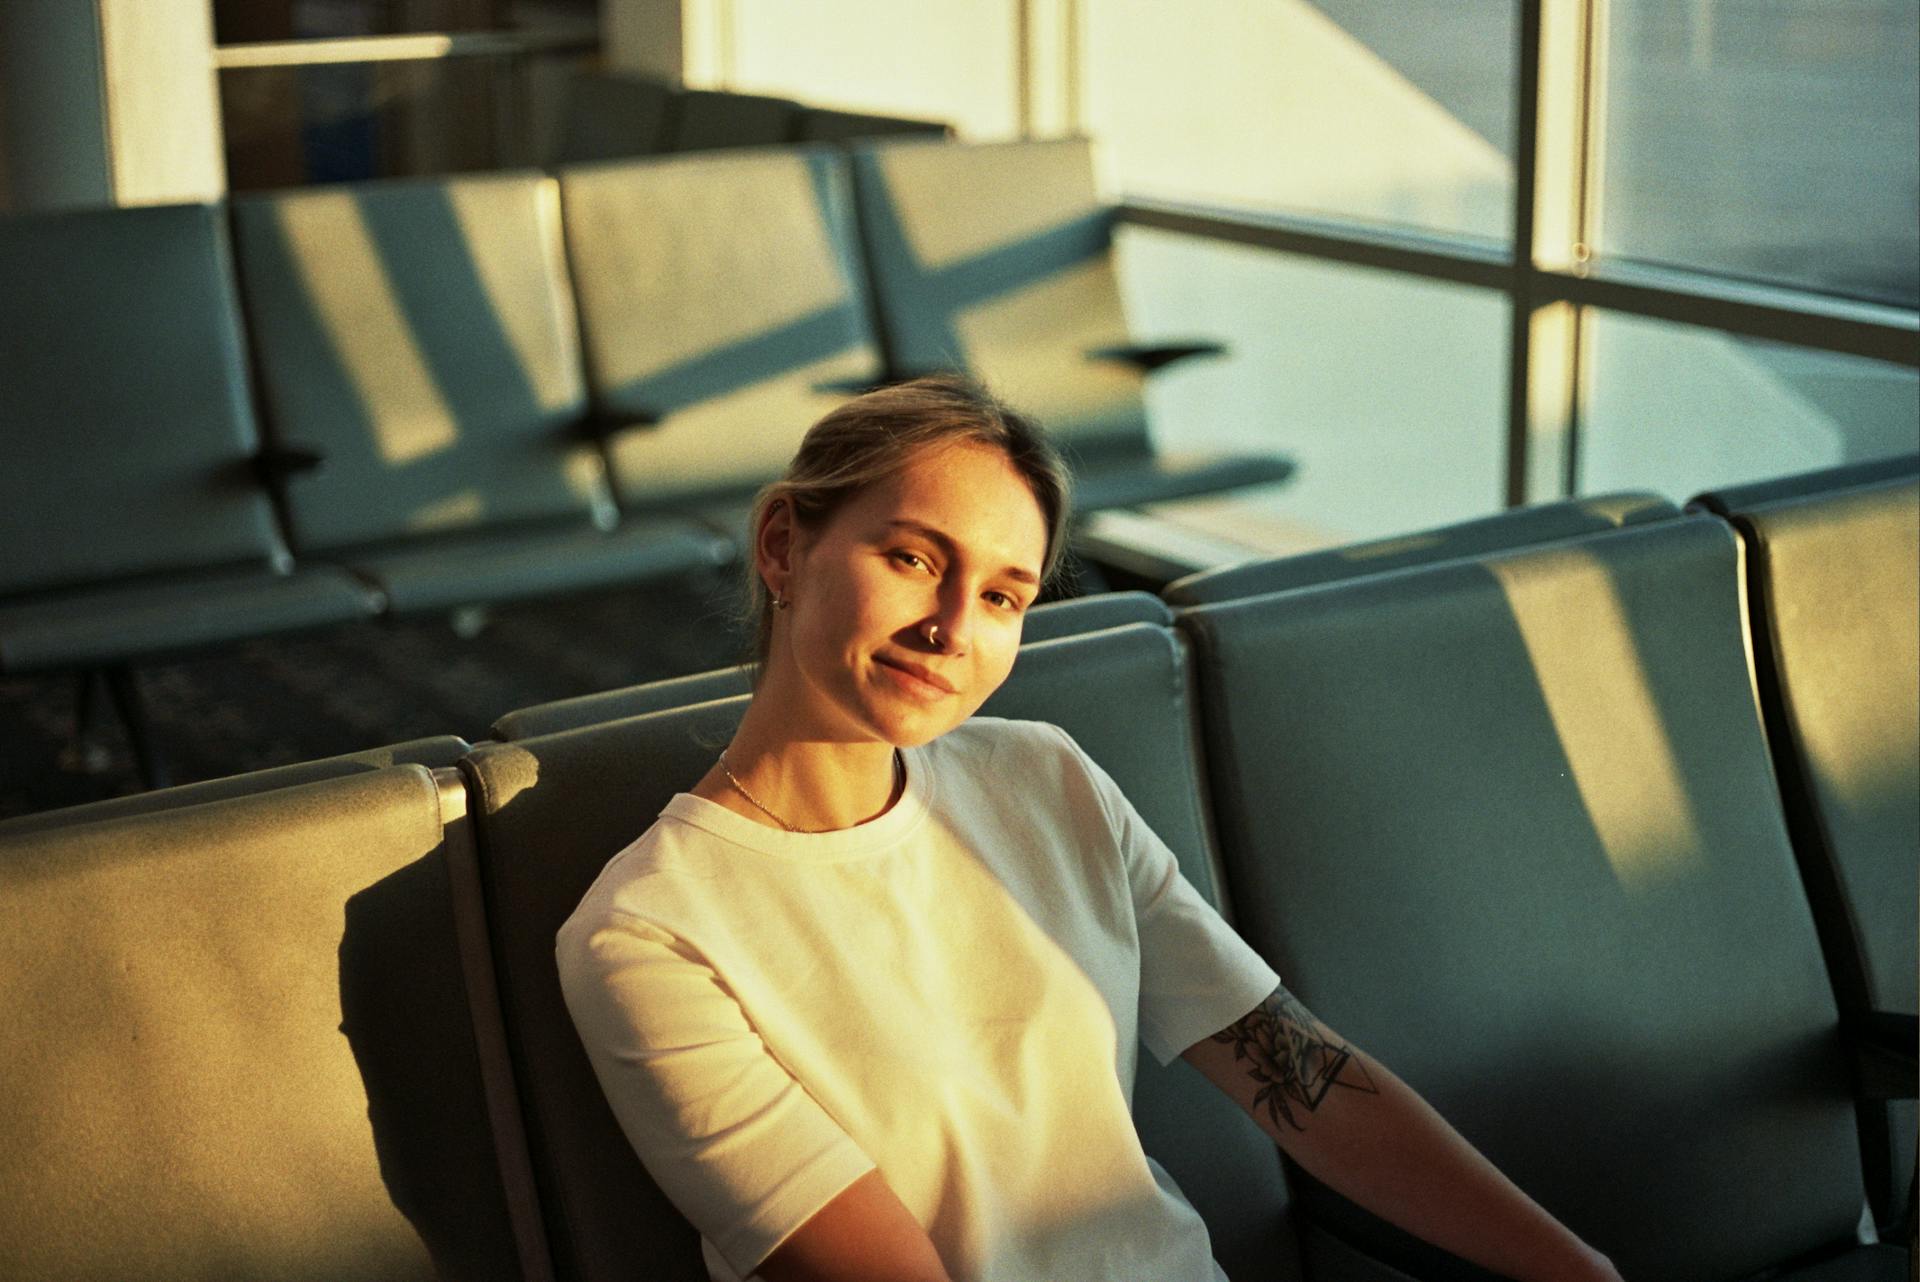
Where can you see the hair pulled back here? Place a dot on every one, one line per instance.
(871, 437)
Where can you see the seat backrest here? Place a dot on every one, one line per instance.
(252, 1053)
(553, 809)
(1510, 825)
(1838, 600)
(421, 335)
(610, 116)
(996, 258)
(1043, 623)
(1520, 527)
(1837, 626)
(823, 124)
(734, 374)
(432, 751)
(712, 119)
(1739, 498)
(123, 383)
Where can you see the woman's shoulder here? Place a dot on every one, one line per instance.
(644, 871)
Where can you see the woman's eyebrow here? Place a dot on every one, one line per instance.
(949, 548)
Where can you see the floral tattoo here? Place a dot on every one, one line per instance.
(1288, 1053)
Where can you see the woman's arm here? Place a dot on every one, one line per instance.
(865, 1234)
(1365, 1134)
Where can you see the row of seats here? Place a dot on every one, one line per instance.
(481, 388)
(614, 115)
(1523, 822)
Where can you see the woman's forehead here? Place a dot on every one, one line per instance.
(968, 490)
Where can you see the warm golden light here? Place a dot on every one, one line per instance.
(1573, 624)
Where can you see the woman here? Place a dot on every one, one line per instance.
(865, 999)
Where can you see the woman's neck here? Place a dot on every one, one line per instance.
(807, 782)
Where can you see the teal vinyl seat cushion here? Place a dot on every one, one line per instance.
(1518, 527)
(432, 751)
(1837, 626)
(420, 336)
(131, 521)
(997, 259)
(708, 390)
(1510, 825)
(252, 1051)
(159, 615)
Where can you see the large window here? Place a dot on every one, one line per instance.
(1625, 243)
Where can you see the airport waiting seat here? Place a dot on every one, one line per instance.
(612, 116)
(822, 124)
(433, 751)
(1518, 527)
(997, 259)
(713, 120)
(1730, 499)
(419, 337)
(1044, 622)
(550, 811)
(254, 1049)
(707, 390)
(1835, 601)
(132, 519)
(1510, 825)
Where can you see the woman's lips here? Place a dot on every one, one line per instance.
(914, 679)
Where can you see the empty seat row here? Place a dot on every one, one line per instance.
(483, 388)
(1509, 819)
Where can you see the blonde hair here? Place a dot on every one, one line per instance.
(870, 438)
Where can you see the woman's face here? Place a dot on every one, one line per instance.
(954, 541)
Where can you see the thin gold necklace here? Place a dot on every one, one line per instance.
(899, 771)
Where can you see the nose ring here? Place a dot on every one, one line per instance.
(933, 636)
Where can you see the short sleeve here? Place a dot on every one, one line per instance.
(739, 1146)
(1197, 976)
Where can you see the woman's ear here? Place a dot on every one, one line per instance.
(774, 545)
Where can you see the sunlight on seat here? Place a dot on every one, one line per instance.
(956, 203)
(528, 290)
(1862, 736)
(341, 268)
(650, 240)
(455, 510)
(1584, 655)
(1392, 547)
(761, 421)
(1019, 340)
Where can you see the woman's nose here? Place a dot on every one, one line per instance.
(950, 627)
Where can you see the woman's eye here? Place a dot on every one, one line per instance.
(911, 560)
(1002, 601)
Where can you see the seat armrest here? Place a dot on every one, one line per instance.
(1883, 1047)
(604, 424)
(1150, 357)
(273, 464)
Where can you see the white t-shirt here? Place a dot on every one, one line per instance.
(951, 992)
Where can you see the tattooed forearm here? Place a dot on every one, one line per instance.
(1295, 1063)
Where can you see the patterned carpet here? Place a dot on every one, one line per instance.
(271, 702)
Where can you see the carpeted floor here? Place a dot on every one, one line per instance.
(271, 702)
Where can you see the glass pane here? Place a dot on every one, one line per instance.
(1397, 114)
(1388, 391)
(1678, 410)
(1770, 139)
(247, 21)
(286, 126)
(957, 63)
